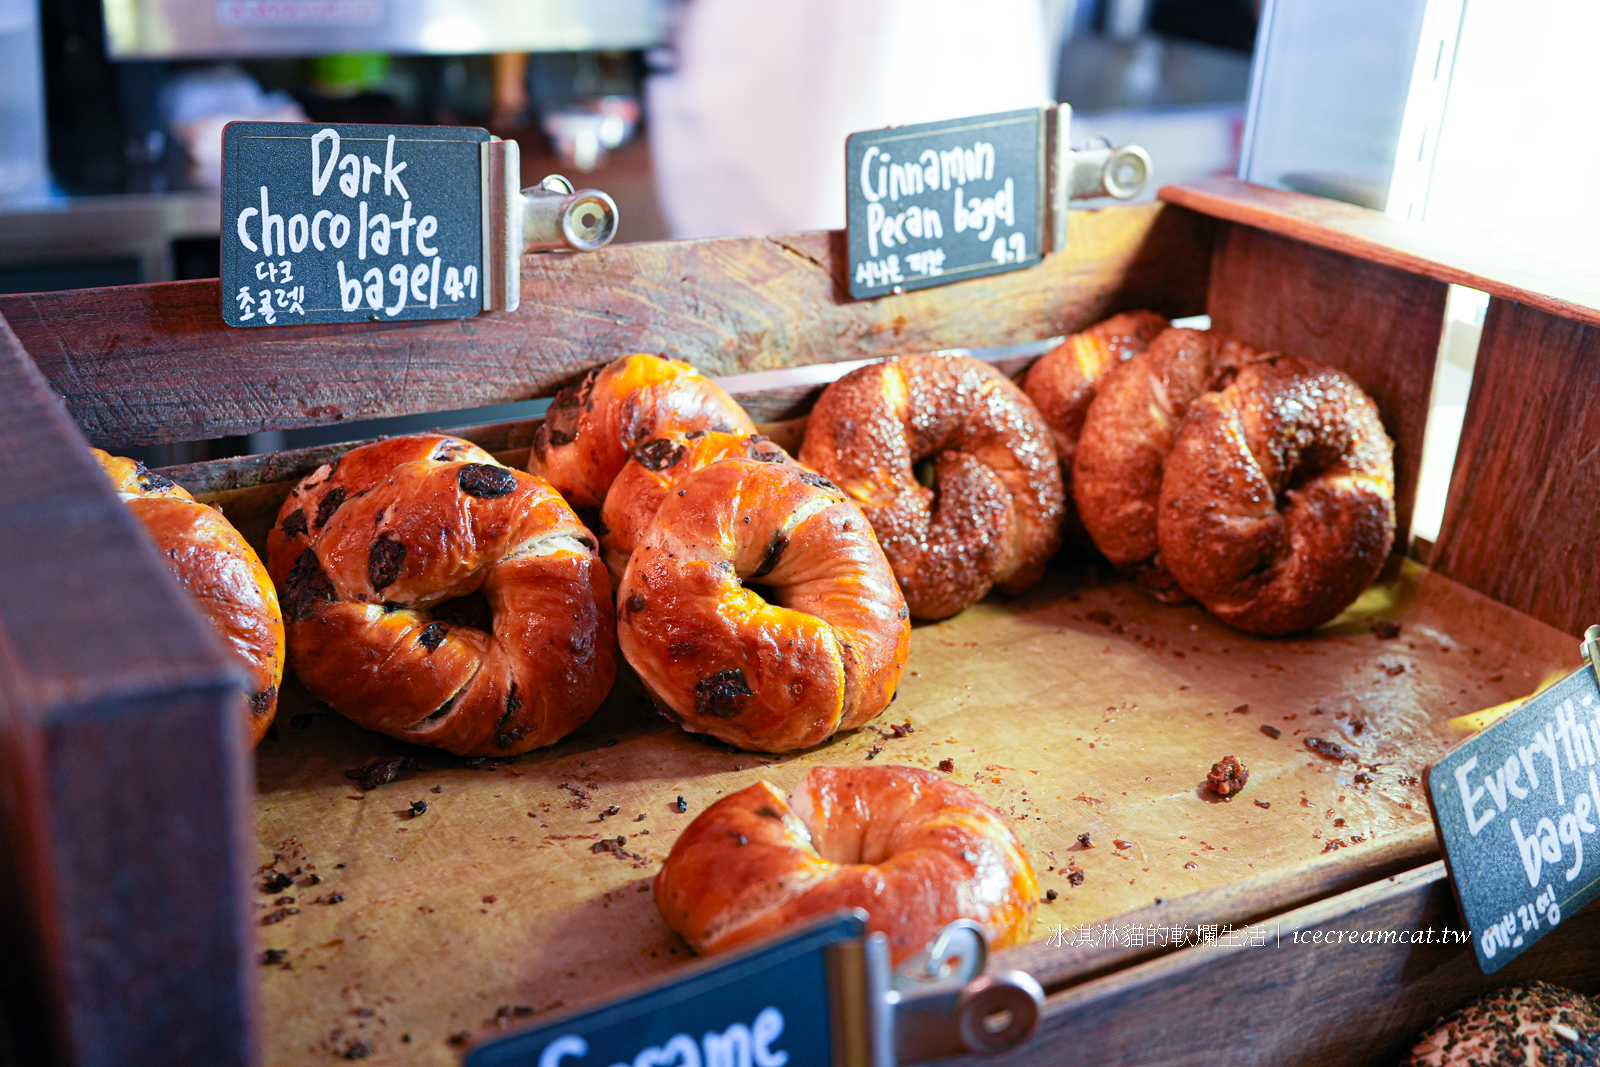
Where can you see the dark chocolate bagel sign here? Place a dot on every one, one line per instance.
(1517, 808)
(350, 223)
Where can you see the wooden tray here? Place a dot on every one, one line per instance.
(141, 924)
(1081, 708)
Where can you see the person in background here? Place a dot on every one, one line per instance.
(748, 124)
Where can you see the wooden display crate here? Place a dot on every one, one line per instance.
(135, 836)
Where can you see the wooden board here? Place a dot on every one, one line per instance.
(121, 899)
(1429, 251)
(147, 364)
(1081, 708)
(1519, 524)
(1379, 324)
(1305, 1003)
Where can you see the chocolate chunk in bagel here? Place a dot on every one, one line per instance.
(1277, 508)
(993, 514)
(1132, 424)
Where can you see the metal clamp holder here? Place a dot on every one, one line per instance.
(549, 217)
(938, 1004)
(1590, 649)
(1087, 171)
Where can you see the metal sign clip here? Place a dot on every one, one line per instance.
(548, 217)
(1590, 648)
(1093, 169)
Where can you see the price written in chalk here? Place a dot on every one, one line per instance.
(350, 223)
(1518, 812)
(943, 201)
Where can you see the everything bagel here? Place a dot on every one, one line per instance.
(993, 516)
(822, 652)
(367, 606)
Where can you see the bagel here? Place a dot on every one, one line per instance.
(1061, 383)
(374, 615)
(825, 654)
(1130, 427)
(594, 426)
(221, 573)
(993, 516)
(913, 849)
(1277, 508)
(649, 475)
(313, 501)
(1532, 1025)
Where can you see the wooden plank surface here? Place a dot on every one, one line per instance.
(1519, 524)
(1301, 1003)
(1378, 323)
(146, 364)
(123, 777)
(1441, 254)
(1081, 708)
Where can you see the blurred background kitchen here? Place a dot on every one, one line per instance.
(711, 117)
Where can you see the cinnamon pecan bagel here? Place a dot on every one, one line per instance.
(593, 427)
(822, 652)
(658, 465)
(313, 501)
(1062, 382)
(913, 849)
(378, 629)
(993, 516)
(1131, 426)
(1278, 505)
(221, 573)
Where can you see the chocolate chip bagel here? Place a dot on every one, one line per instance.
(993, 514)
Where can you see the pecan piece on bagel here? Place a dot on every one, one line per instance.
(993, 514)
(594, 426)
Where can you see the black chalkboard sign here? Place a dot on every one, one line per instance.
(1517, 808)
(350, 223)
(772, 1007)
(944, 201)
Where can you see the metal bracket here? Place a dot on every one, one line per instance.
(938, 1004)
(1093, 169)
(548, 217)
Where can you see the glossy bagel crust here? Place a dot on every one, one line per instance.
(824, 652)
(1132, 424)
(367, 605)
(994, 516)
(320, 494)
(221, 573)
(651, 473)
(1278, 503)
(913, 849)
(593, 427)
(1062, 382)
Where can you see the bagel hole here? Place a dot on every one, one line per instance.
(471, 611)
(764, 591)
(923, 470)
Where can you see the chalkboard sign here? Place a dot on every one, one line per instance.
(944, 201)
(773, 1007)
(350, 223)
(1517, 808)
